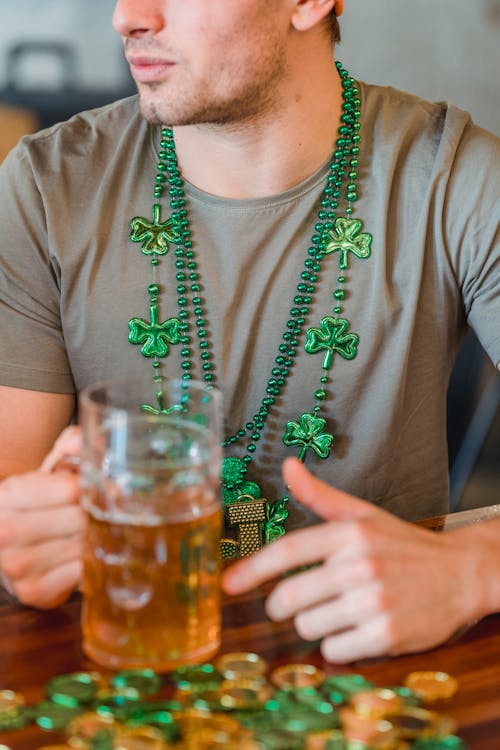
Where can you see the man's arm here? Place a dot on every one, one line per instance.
(30, 422)
(383, 586)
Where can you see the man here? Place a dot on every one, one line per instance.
(326, 296)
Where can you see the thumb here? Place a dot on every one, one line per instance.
(65, 452)
(326, 501)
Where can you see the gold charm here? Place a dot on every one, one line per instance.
(249, 516)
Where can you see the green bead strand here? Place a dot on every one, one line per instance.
(169, 179)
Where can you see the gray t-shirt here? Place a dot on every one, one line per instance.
(70, 280)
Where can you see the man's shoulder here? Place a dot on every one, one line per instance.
(93, 133)
(409, 122)
(390, 105)
(84, 127)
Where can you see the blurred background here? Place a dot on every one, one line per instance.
(58, 57)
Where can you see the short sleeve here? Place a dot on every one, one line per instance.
(472, 228)
(32, 349)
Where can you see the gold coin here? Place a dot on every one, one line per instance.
(202, 743)
(10, 701)
(207, 700)
(432, 686)
(297, 676)
(370, 730)
(376, 702)
(243, 694)
(413, 722)
(82, 729)
(192, 722)
(441, 726)
(139, 738)
(212, 739)
(241, 665)
(318, 740)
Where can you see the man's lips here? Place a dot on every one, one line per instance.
(149, 69)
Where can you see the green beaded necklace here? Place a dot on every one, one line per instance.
(257, 520)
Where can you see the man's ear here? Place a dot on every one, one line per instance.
(310, 12)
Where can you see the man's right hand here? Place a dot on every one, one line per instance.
(41, 525)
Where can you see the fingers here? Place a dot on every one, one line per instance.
(369, 638)
(309, 589)
(37, 490)
(51, 588)
(309, 545)
(68, 444)
(24, 529)
(18, 563)
(295, 549)
(40, 530)
(326, 501)
(349, 610)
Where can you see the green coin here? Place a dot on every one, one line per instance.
(52, 716)
(73, 689)
(190, 677)
(280, 739)
(15, 719)
(295, 725)
(339, 688)
(289, 699)
(279, 705)
(159, 719)
(313, 721)
(336, 742)
(410, 697)
(451, 742)
(103, 740)
(258, 721)
(118, 705)
(145, 681)
(162, 705)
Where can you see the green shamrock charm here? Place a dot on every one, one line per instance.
(309, 432)
(332, 336)
(345, 238)
(234, 482)
(154, 336)
(233, 471)
(155, 235)
(277, 515)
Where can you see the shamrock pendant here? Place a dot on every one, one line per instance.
(154, 337)
(155, 235)
(347, 238)
(332, 337)
(309, 432)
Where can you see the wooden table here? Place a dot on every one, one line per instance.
(37, 645)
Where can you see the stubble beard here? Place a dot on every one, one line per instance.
(251, 100)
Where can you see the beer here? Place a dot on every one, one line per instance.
(151, 576)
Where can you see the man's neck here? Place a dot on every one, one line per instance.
(275, 151)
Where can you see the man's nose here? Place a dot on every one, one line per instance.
(135, 18)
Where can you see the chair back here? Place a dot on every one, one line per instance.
(14, 123)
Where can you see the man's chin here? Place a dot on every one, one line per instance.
(150, 110)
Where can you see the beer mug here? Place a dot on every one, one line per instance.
(150, 477)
